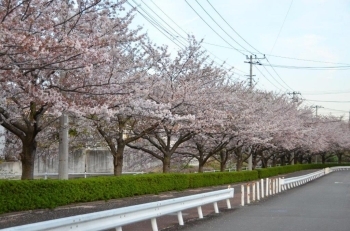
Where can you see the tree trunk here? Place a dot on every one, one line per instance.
(239, 165)
(166, 163)
(255, 161)
(323, 159)
(309, 160)
(340, 157)
(223, 160)
(118, 159)
(283, 160)
(27, 159)
(200, 166)
(222, 166)
(274, 161)
(263, 162)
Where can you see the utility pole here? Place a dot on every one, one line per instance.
(250, 159)
(63, 148)
(251, 67)
(317, 107)
(294, 97)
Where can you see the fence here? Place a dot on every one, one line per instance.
(116, 218)
(265, 187)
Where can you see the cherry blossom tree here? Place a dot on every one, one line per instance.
(186, 84)
(50, 52)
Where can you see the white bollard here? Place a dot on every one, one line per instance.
(216, 208)
(267, 187)
(274, 186)
(154, 224)
(258, 191)
(270, 186)
(180, 218)
(253, 191)
(200, 213)
(280, 181)
(118, 229)
(228, 203)
(242, 195)
(248, 194)
(262, 188)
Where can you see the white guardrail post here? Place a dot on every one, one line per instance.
(117, 218)
(242, 195)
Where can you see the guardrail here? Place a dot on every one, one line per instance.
(339, 168)
(299, 180)
(116, 218)
(255, 190)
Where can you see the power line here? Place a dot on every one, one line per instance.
(221, 27)
(182, 29)
(305, 60)
(284, 57)
(328, 93)
(281, 26)
(267, 79)
(327, 101)
(335, 110)
(309, 67)
(278, 74)
(153, 24)
(232, 27)
(213, 29)
(161, 28)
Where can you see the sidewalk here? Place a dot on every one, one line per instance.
(164, 222)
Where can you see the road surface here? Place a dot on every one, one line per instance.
(321, 205)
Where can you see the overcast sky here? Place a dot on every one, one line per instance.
(316, 30)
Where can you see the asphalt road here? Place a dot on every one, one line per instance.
(321, 205)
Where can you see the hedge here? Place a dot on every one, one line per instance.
(40, 194)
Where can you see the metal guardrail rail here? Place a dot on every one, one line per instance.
(116, 218)
(339, 168)
(296, 181)
(253, 191)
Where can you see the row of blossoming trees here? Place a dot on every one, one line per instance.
(82, 58)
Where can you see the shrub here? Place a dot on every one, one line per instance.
(40, 194)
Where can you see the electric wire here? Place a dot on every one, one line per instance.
(335, 110)
(153, 24)
(240, 44)
(232, 27)
(282, 26)
(283, 57)
(179, 35)
(268, 79)
(221, 27)
(309, 67)
(278, 74)
(327, 93)
(212, 28)
(157, 24)
(327, 101)
(172, 37)
(274, 78)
